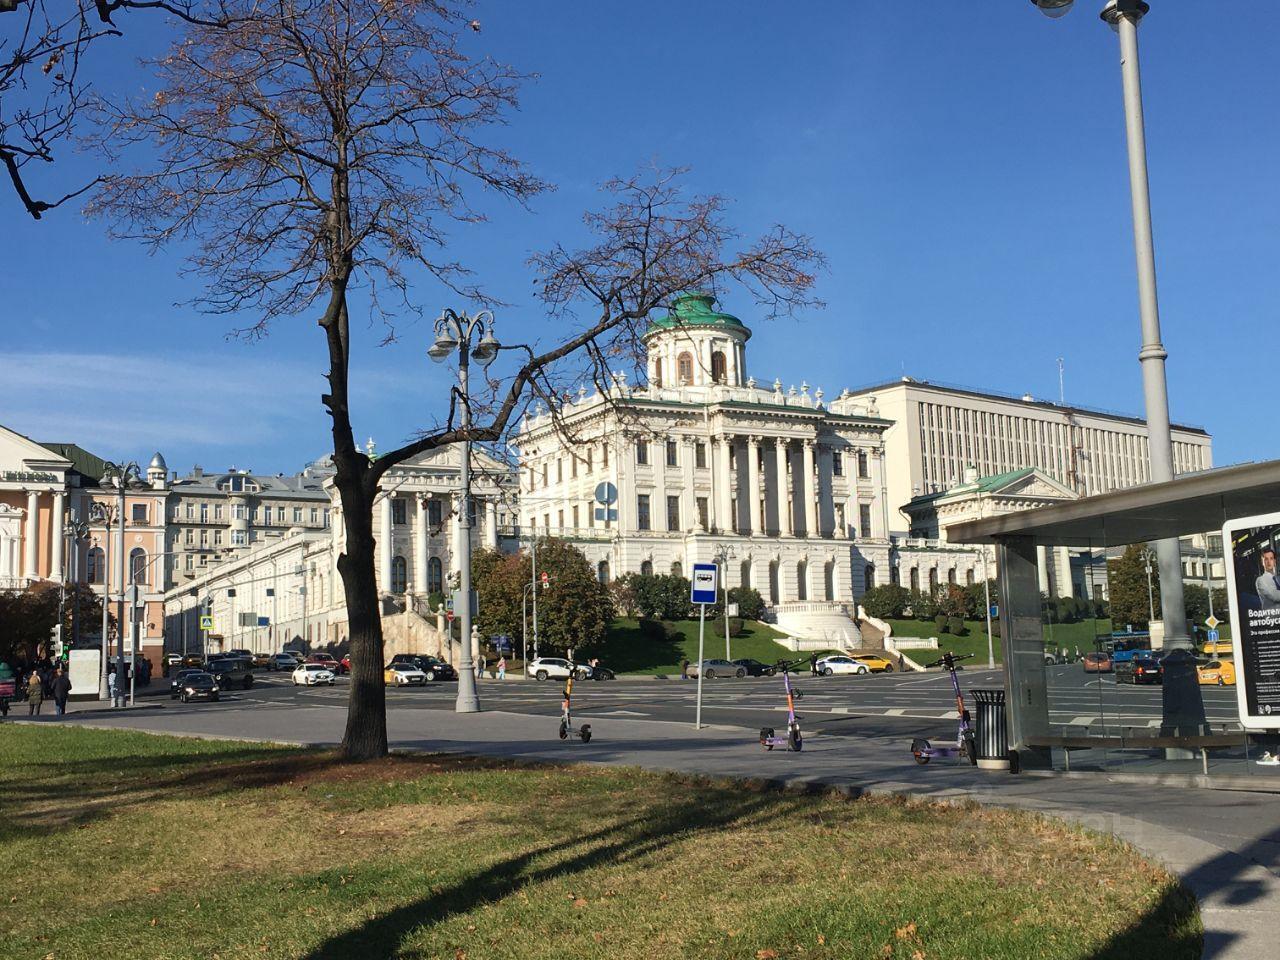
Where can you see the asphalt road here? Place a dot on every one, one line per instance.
(909, 704)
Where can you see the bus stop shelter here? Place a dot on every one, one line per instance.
(1189, 505)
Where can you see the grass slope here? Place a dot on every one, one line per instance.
(627, 651)
(124, 845)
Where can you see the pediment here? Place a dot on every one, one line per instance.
(23, 455)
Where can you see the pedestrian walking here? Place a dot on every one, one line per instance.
(111, 682)
(684, 669)
(61, 690)
(502, 668)
(901, 663)
(35, 694)
(479, 667)
(813, 664)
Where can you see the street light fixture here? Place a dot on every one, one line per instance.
(1053, 9)
(455, 332)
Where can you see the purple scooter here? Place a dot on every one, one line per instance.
(965, 744)
(793, 740)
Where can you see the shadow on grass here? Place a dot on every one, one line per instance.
(384, 936)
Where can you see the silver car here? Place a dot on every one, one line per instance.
(718, 668)
(546, 668)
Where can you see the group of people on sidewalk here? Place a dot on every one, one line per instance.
(34, 683)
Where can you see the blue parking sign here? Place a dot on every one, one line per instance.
(1213, 636)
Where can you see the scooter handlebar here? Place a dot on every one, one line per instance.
(953, 657)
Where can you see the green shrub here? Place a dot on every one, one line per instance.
(956, 627)
(887, 601)
(942, 623)
(735, 626)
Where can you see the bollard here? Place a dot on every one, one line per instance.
(993, 736)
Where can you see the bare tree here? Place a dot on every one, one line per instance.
(322, 144)
(41, 87)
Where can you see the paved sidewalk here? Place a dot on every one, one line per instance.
(1225, 845)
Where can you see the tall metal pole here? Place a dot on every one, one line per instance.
(1124, 17)
(986, 591)
(121, 563)
(533, 552)
(104, 691)
(468, 701)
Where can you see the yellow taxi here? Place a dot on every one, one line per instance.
(1221, 672)
(876, 664)
(1216, 648)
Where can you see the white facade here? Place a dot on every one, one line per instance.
(938, 431)
(704, 462)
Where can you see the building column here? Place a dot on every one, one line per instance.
(420, 545)
(754, 483)
(689, 504)
(723, 477)
(785, 516)
(55, 555)
(31, 537)
(384, 545)
(490, 523)
(807, 492)
(1042, 567)
(658, 499)
(1062, 582)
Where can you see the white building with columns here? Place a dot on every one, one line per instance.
(707, 463)
(33, 505)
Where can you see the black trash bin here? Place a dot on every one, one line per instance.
(993, 736)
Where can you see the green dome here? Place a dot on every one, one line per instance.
(695, 310)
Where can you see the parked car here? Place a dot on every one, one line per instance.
(1221, 672)
(838, 663)
(1096, 661)
(179, 677)
(328, 660)
(544, 668)
(231, 672)
(198, 685)
(717, 668)
(755, 668)
(602, 673)
(875, 662)
(261, 660)
(282, 661)
(1216, 648)
(297, 655)
(433, 667)
(402, 675)
(309, 674)
(240, 653)
(1139, 670)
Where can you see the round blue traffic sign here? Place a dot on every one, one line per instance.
(606, 493)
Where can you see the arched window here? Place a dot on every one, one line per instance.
(677, 568)
(717, 367)
(933, 580)
(602, 571)
(802, 580)
(657, 372)
(684, 368)
(968, 577)
(773, 581)
(137, 565)
(746, 573)
(829, 580)
(399, 575)
(646, 568)
(869, 576)
(95, 568)
(435, 575)
(895, 576)
(915, 578)
(951, 576)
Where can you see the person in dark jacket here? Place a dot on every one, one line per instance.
(813, 664)
(61, 687)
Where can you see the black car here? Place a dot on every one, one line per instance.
(755, 668)
(231, 672)
(601, 672)
(179, 677)
(434, 668)
(197, 685)
(1139, 670)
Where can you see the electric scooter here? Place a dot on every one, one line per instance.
(965, 744)
(583, 732)
(793, 739)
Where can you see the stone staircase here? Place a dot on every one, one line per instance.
(817, 625)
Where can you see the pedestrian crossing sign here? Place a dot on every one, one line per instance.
(206, 622)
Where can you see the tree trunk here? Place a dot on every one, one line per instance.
(366, 734)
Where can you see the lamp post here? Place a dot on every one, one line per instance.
(722, 558)
(121, 474)
(1124, 16)
(101, 513)
(77, 531)
(454, 333)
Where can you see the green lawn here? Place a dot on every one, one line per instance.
(1068, 635)
(627, 651)
(125, 845)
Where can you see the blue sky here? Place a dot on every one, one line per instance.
(964, 174)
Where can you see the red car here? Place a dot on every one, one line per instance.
(345, 663)
(328, 660)
(1096, 663)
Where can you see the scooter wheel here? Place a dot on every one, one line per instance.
(564, 731)
(585, 732)
(971, 750)
(766, 734)
(794, 740)
(918, 748)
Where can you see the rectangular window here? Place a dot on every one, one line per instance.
(642, 512)
(138, 512)
(837, 463)
(326, 517)
(217, 511)
(237, 538)
(217, 538)
(544, 474)
(702, 513)
(604, 455)
(204, 538)
(315, 515)
(671, 453)
(560, 519)
(864, 519)
(297, 514)
(642, 452)
(189, 539)
(573, 466)
(673, 513)
(397, 511)
(279, 514)
(546, 521)
(588, 460)
(238, 512)
(559, 470)
(864, 469)
(187, 562)
(190, 511)
(204, 559)
(700, 456)
(435, 513)
(204, 513)
(575, 517)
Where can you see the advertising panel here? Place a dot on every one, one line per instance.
(1251, 545)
